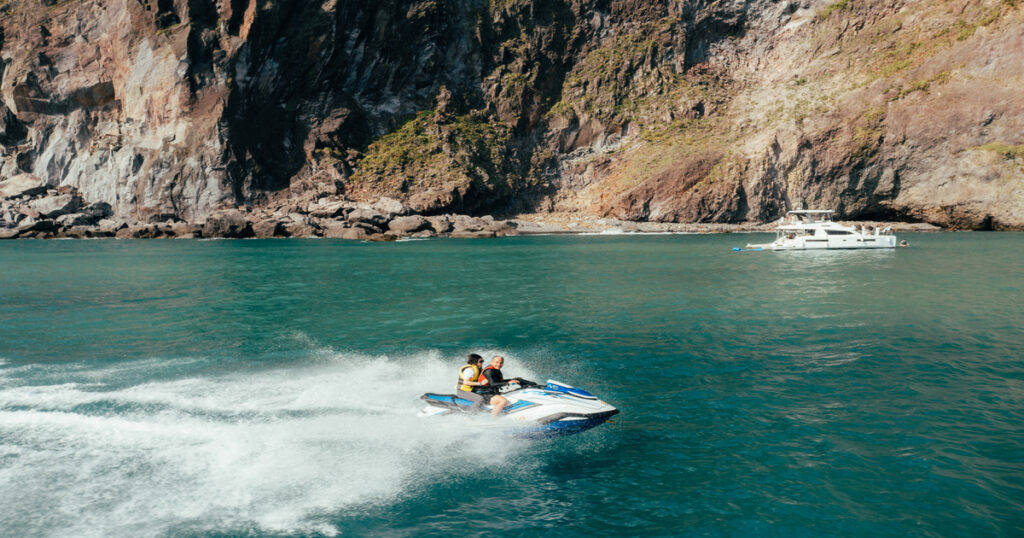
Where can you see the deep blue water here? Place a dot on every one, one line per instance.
(270, 387)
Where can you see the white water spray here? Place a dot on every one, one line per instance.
(277, 451)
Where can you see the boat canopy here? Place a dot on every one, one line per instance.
(824, 215)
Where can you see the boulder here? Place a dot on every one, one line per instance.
(268, 228)
(77, 232)
(370, 228)
(334, 229)
(357, 234)
(36, 235)
(22, 185)
(389, 206)
(75, 219)
(408, 225)
(301, 229)
(502, 227)
(28, 212)
(441, 224)
(382, 237)
(100, 232)
(464, 223)
(227, 223)
(36, 225)
(139, 231)
(163, 229)
(108, 228)
(9, 233)
(161, 218)
(111, 224)
(89, 231)
(300, 225)
(326, 209)
(55, 206)
(100, 210)
(370, 216)
(183, 230)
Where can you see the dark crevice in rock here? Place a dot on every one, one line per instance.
(165, 14)
(28, 97)
(12, 130)
(24, 160)
(237, 15)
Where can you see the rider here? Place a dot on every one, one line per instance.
(469, 379)
(491, 379)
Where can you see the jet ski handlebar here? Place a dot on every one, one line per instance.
(523, 384)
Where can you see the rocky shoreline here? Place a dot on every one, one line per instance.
(30, 209)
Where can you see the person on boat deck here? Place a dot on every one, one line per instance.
(469, 379)
(491, 380)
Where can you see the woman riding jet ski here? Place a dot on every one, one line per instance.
(551, 409)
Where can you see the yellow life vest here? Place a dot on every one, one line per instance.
(476, 375)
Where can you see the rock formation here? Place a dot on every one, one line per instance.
(293, 116)
(30, 209)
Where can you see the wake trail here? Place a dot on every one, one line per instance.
(279, 450)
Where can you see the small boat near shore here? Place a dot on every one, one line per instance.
(813, 229)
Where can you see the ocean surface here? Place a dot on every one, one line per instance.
(179, 387)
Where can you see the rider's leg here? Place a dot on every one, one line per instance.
(497, 404)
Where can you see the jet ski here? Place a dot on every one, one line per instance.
(552, 409)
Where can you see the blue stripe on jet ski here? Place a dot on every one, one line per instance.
(562, 427)
(450, 399)
(551, 387)
(521, 404)
(518, 405)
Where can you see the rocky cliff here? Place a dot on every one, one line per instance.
(647, 110)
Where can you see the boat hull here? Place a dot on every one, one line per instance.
(842, 243)
(845, 242)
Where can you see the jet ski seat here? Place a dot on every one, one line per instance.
(449, 401)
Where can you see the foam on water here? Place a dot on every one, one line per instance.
(279, 450)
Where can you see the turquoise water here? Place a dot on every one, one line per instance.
(270, 387)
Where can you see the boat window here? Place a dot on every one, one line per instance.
(838, 232)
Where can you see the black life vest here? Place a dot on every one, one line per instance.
(486, 388)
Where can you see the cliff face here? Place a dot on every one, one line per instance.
(700, 111)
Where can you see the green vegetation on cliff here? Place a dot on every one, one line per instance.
(835, 6)
(1006, 151)
(608, 82)
(434, 150)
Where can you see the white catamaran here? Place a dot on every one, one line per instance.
(807, 229)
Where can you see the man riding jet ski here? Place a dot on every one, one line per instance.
(551, 409)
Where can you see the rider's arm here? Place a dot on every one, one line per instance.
(489, 374)
(469, 379)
